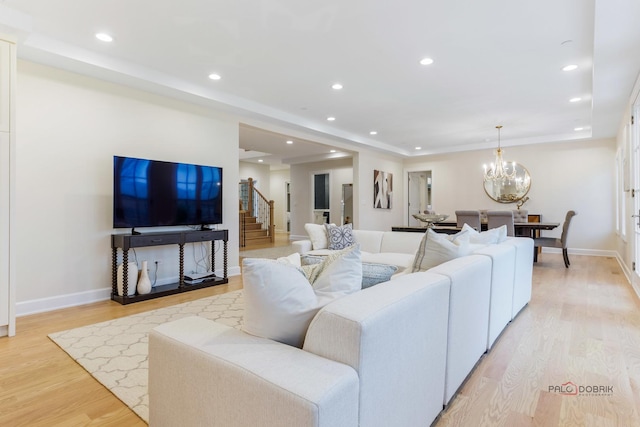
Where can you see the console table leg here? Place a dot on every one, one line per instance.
(125, 274)
(181, 284)
(114, 271)
(225, 259)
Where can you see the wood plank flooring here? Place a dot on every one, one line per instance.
(582, 326)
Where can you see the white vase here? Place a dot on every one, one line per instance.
(144, 284)
(132, 278)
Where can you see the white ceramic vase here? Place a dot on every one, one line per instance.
(132, 278)
(144, 284)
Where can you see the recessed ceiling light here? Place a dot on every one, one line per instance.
(260, 161)
(336, 86)
(418, 148)
(569, 67)
(331, 118)
(104, 37)
(426, 61)
(289, 142)
(373, 132)
(578, 129)
(214, 76)
(576, 99)
(332, 151)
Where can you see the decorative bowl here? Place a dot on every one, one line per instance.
(430, 218)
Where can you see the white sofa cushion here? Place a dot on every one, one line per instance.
(369, 240)
(400, 242)
(436, 248)
(488, 237)
(399, 260)
(279, 300)
(318, 235)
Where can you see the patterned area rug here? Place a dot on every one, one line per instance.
(272, 253)
(115, 352)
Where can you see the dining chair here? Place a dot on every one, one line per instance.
(471, 218)
(554, 242)
(521, 215)
(497, 219)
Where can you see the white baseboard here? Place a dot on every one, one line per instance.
(42, 305)
(590, 252)
(298, 237)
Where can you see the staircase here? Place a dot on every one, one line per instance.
(254, 234)
(257, 227)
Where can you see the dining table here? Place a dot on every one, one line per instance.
(526, 229)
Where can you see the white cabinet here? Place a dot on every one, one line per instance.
(7, 189)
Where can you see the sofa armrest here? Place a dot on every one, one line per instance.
(302, 246)
(206, 373)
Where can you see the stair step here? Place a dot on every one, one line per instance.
(250, 219)
(255, 233)
(253, 226)
(256, 241)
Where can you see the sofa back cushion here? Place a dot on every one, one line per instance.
(369, 240)
(318, 235)
(395, 336)
(400, 242)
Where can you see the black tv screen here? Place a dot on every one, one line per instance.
(151, 193)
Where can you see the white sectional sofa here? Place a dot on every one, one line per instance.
(382, 247)
(392, 354)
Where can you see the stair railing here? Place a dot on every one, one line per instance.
(254, 204)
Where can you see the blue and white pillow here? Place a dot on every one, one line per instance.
(339, 237)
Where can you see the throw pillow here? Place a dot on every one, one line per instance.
(280, 302)
(339, 272)
(436, 248)
(491, 236)
(317, 235)
(372, 273)
(339, 237)
(293, 259)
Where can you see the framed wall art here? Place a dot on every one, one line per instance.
(382, 189)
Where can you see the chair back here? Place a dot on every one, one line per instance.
(497, 219)
(565, 227)
(472, 218)
(520, 215)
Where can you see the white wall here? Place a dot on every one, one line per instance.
(278, 194)
(365, 217)
(341, 172)
(69, 127)
(260, 174)
(567, 175)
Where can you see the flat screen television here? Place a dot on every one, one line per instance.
(152, 193)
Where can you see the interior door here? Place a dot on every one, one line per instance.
(634, 137)
(419, 195)
(347, 203)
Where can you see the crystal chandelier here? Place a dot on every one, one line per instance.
(497, 171)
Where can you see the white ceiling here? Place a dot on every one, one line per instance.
(496, 62)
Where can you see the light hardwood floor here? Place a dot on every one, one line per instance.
(582, 325)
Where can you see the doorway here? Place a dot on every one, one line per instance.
(419, 195)
(347, 203)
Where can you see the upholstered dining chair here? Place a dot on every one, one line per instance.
(496, 219)
(471, 218)
(520, 215)
(553, 242)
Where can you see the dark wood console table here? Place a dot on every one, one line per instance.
(128, 241)
(450, 227)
